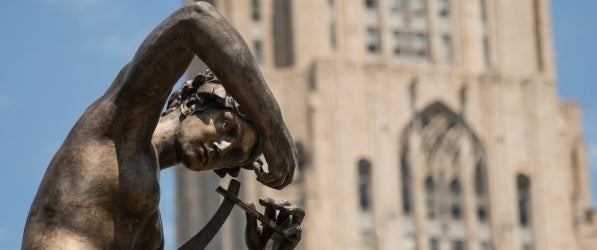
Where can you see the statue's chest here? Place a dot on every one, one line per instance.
(137, 189)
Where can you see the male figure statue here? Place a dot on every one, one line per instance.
(101, 189)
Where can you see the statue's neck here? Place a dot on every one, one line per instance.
(164, 139)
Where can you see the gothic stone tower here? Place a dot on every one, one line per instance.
(422, 124)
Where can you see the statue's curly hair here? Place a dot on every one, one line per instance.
(195, 96)
(203, 92)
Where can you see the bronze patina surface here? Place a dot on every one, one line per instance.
(101, 189)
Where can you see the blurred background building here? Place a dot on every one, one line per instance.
(421, 124)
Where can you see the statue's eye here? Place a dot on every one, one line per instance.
(228, 128)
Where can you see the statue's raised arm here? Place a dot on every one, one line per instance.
(198, 29)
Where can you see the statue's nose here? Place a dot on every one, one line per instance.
(221, 145)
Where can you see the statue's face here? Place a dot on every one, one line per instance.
(214, 139)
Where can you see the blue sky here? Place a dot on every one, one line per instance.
(57, 56)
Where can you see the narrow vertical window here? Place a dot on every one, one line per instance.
(372, 40)
(483, 10)
(443, 7)
(332, 13)
(481, 193)
(463, 99)
(412, 94)
(255, 10)
(364, 185)
(485, 37)
(406, 192)
(523, 184)
(538, 35)
(398, 44)
(486, 52)
(283, 34)
(365, 206)
(456, 197)
(420, 45)
(258, 50)
(447, 49)
(430, 198)
(576, 181)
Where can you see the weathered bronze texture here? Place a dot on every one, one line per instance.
(101, 189)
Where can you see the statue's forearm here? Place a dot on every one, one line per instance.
(197, 29)
(224, 51)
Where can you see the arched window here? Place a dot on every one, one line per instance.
(456, 198)
(523, 186)
(365, 185)
(430, 198)
(406, 188)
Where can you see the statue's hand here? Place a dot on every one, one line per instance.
(289, 218)
(281, 156)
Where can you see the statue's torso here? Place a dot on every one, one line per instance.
(97, 189)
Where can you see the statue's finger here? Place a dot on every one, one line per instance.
(283, 218)
(251, 226)
(279, 205)
(293, 232)
(297, 213)
(270, 213)
(266, 201)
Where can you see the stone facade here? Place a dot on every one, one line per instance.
(422, 124)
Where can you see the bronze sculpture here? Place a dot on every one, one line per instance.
(101, 189)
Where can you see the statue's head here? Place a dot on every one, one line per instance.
(213, 132)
